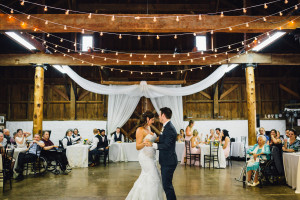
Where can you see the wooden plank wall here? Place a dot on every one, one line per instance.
(17, 97)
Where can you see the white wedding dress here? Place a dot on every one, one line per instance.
(148, 186)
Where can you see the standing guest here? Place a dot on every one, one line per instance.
(103, 145)
(117, 136)
(276, 149)
(293, 144)
(21, 139)
(189, 130)
(260, 150)
(31, 155)
(263, 133)
(93, 151)
(67, 140)
(181, 136)
(195, 149)
(218, 134)
(3, 143)
(51, 153)
(225, 142)
(7, 135)
(189, 134)
(76, 136)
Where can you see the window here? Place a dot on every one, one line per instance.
(201, 43)
(87, 42)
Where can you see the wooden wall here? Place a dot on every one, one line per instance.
(230, 102)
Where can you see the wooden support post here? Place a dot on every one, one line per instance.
(216, 101)
(251, 104)
(73, 102)
(38, 100)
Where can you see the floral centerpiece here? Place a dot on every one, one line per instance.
(86, 141)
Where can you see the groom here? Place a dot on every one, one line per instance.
(167, 154)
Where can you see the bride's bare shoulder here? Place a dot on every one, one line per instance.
(140, 130)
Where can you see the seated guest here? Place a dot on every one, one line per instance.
(3, 143)
(76, 136)
(225, 142)
(275, 137)
(67, 140)
(21, 139)
(195, 145)
(212, 136)
(218, 134)
(180, 136)
(260, 150)
(51, 154)
(93, 151)
(13, 139)
(103, 145)
(293, 144)
(287, 134)
(7, 135)
(117, 136)
(263, 133)
(30, 155)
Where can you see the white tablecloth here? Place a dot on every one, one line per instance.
(78, 155)
(124, 152)
(205, 151)
(237, 149)
(291, 162)
(1, 174)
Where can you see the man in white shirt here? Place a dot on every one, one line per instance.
(93, 151)
(117, 136)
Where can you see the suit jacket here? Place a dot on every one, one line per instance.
(101, 143)
(167, 144)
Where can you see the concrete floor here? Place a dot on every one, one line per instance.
(115, 181)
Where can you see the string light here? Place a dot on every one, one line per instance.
(280, 13)
(131, 72)
(46, 22)
(141, 73)
(120, 36)
(101, 33)
(188, 54)
(69, 50)
(222, 14)
(121, 71)
(202, 52)
(10, 17)
(45, 9)
(216, 50)
(22, 3)
(212, 32)
(117, 61)
(11, 11)
(151, 73)
(203, 58)
(161, 73)
(265, 6)
(102, 51)
(244, 10)
(174, 55)
(65, 27)
(177, 19)
(243, 43)
(80, 53)
(171, 72)
(23, 23)
(154, 63)
(181, 71)
(117, 53)
(67, 12)
(139, 37)
(265, 19)
(145, 56)
(129, 62)
(175, 37)
(113, 18)
(157, 37)
(90, 16)
(142, 62)
(167, 63)
(48, 35)
(247, 25)
(154, 19)
(179, 61)
(61, 40)
(35, 29)
(191, 69)
(159, 56)
(131, 55)
(82, 31)
(286, 1)
(230, 28)
(229, 47)
(194, 34)
(28, 17)
(192, 60)
(296, 7)
(137, 17)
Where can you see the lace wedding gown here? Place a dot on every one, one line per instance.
(148, 186)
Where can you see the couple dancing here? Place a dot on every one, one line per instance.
(148, 186)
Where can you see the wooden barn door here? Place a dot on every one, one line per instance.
(129, 128)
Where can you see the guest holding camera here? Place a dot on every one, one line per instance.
(21, 139)
(293, 144)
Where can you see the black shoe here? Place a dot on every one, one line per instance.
(65, 172)
(20, 177)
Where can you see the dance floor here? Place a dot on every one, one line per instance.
(114, 182)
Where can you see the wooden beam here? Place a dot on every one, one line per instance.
(216, 101)
(72, 102)
(205, 94)
(38, 100)
(83, 94)
(129, 24)
(227, 92)
(259, 58)
(61, 93)
(251, 105)
(291, 92)
(148, 82)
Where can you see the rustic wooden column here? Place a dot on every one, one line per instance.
(216, 102)
(38, 100)
(251, 104)
(73, 102)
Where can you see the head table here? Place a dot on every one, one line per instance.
(78, 155)
(124, 152)
(291, 163)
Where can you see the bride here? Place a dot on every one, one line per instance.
(148, 186)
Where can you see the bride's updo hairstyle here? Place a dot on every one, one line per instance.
(145, 115)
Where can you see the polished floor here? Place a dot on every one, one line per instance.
(115, 181)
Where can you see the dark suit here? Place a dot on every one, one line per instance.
(168, 158)
(102, 144)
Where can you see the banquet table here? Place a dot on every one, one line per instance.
(238, 149)
(124, 152)
(205, 151)
(291, 163)
(78, 155)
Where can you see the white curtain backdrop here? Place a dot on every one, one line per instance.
(149, 91)
(120, 108)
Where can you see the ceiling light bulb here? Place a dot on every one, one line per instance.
(175, 36)
(188, 54)
(45, 9)
(65, 27)
(120, 36)
(131, 55)
(157, 37)
(200, 17)
(67, 12)
(46, 22)
(244, 10)
(265, 6)
(90, 16)
(101, 34)
(113, 18)
(177, 19)
(222, 14)
(154, 19)
(28, 17)
(139, 37)
(22, 3)
(247, 25)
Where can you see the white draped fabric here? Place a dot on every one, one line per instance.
(120, 108)
(149, 91)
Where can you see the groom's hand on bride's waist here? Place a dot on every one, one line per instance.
(148, 144)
